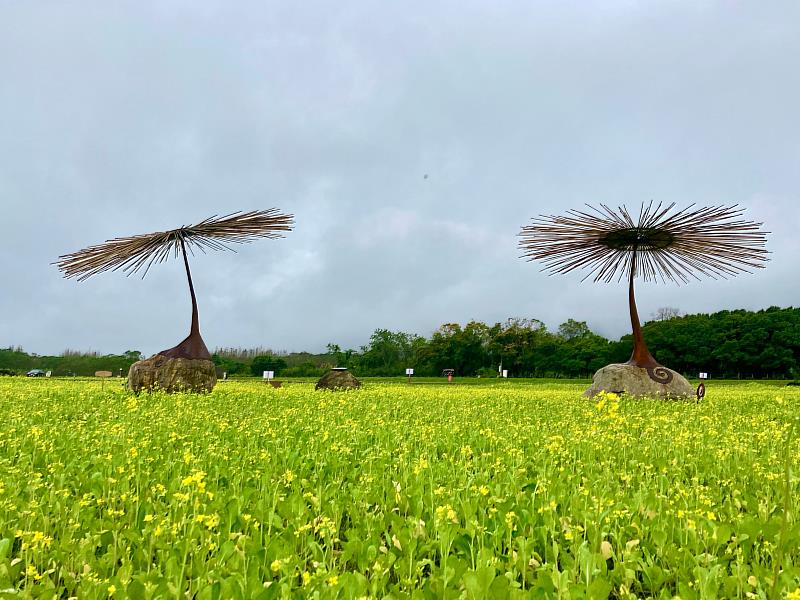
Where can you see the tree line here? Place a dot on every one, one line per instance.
(15, 361)
(736, 344)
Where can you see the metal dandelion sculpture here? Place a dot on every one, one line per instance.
(138, 253)
(661, 244)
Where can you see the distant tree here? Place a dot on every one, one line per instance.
(336, 354)
(388, 353)
(518, 345)
(306, 369)
(230, 366)
(267, 363)
(573, 329)
(665, 313)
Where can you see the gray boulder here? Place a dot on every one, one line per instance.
(167, 374)
(338, 379)
(635, 381)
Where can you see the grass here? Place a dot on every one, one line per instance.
(503, 489)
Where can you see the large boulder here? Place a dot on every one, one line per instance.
(637, 381)
(337, 379)
(167, 374)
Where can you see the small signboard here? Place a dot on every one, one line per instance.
(103, 375)
(48, 374)
(269, 375)
(505, 373)
(409, 372)
(703, 375)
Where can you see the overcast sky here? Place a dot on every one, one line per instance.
(120, 118)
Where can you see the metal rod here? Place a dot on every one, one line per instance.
(640, 356)
(195, 329)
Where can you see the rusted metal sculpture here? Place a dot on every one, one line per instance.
(140, 252)
(662, 244)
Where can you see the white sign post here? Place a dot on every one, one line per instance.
(505, 373)
(703, 375)
(409, 372)
(269, 375)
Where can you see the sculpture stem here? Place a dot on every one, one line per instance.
(640, 356)
(193, 346)
(195, 316)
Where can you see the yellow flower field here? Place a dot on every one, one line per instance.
(504, 490)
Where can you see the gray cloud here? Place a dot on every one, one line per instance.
(132, 117)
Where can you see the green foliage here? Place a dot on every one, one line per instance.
(505, 490)
(68, 364)
(230, 366)
(727, 344)
(307, 369)
(267, 363)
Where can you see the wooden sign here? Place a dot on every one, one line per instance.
(102, 373)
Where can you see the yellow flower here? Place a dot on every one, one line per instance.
(446, 513)
(111, 589)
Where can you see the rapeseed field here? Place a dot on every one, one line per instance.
(506, 490)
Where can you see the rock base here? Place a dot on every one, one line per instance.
(170, 375)
(636, 381)
(338, 379)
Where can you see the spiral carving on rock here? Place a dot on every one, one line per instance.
(660, 374)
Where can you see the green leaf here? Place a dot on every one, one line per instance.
(5, 548)
(136, 590)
